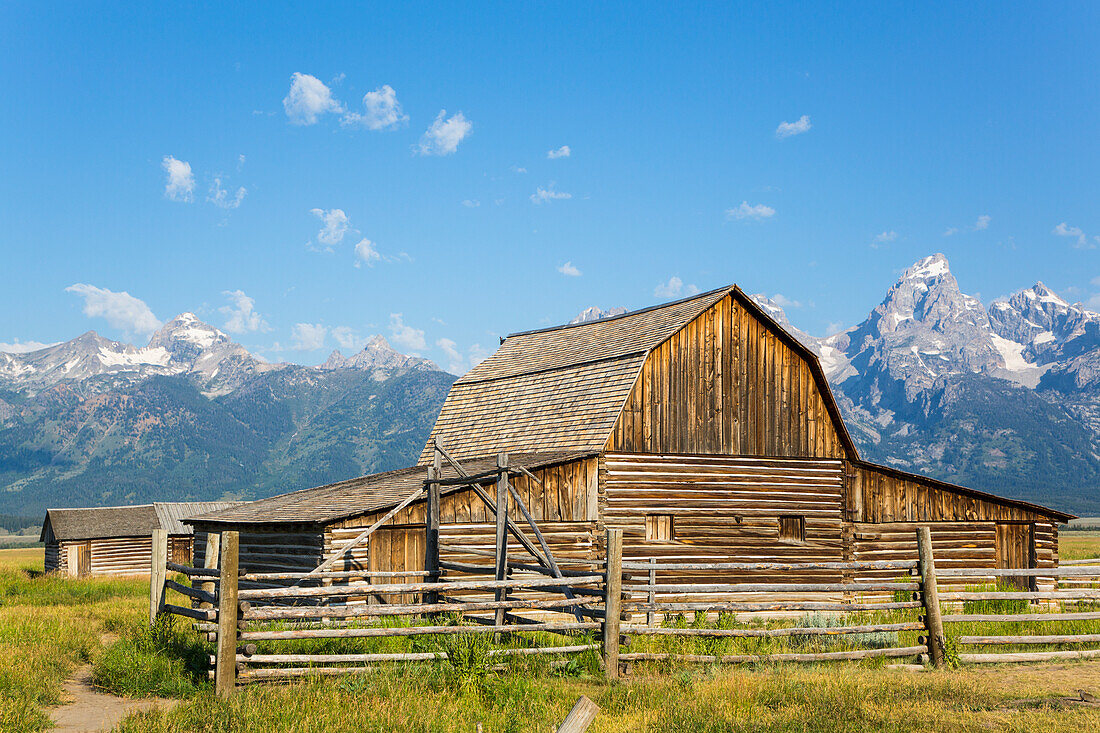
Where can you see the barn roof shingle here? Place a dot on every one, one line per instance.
(100, 522)
(171, 514)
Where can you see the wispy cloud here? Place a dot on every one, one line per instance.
(562, 152)
(308, 336)
(459, 363)
(674, 288)
(308, 99)
(518, 169)
(366, 254)
(569, 269)
(221, 198)
(950, 231)
(789, 129)
(444, 135)
(23, 347)
(471, 204)
(382, 111)
(548, 194)
(1082, 239)
(756, 212)
(784, 302)
(121, 310)
(405, 335)
(347, 337)
(180, 185)
(241, 315)
(334, 225)
(982, 222)
(884, 238)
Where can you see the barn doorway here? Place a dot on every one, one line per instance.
(1016, 549)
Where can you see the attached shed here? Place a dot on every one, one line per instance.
(700, 428)
(117, 540)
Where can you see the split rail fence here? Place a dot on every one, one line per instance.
(892, 609)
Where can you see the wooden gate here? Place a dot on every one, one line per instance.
(1014, 550)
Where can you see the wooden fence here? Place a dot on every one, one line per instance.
(893, 609)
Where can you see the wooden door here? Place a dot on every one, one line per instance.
(83, 552)
(181, 550)
(397, 548)
(1014, 550)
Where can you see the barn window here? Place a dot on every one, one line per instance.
(658, 528)
(792, 529)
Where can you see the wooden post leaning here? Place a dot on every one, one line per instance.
(929, 596)
(580, 717)
(158, 573)
(431, 540)
(225, 665)
(613, 603)
(210, 562)
(502, 532)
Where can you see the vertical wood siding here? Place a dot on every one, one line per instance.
(727, 384)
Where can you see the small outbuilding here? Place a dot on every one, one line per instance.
(117, 540)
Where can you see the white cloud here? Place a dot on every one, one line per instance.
(405, 335)
(884, 238)
(799, 126)
(121, 310)
(444, 135)
(240, 162)
(1064, 230)
(562, 152)
(348, 338)
(450, 350)
(950, 231)
(23, 347)
(674, 288)
(241, 316)
(982, 222)
(366, 254)
(308, 336)
(784, 302)
(181, 181)
(471, 204)
(569, 269)
(757, 212)
(220, 197)
(518, 169)
(308, 99)
(544, 195)
(383, 111)
(334, 226)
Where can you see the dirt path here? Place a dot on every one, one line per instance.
(87, 710)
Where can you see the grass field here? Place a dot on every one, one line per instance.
(49, 626)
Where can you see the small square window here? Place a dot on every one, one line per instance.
(792, 529)
(658, 528)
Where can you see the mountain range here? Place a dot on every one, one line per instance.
(194, 416)
(1004, 399)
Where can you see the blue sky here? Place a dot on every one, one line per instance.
(809, 151)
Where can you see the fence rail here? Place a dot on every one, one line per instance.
(737, 615)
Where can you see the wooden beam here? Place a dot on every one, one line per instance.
(930, 596)
(158, 573)
(431, 525)
(502, 533)
(225, 669)
(612, 603)
(210, 562)
(580, 717)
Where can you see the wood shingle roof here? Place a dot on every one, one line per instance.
(557, 389)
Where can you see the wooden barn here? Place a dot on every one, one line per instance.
(117, 540)
(700, 428)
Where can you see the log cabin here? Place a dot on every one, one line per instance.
(701, 428)
(117, 540)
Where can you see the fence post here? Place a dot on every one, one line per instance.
(225, 666)
(651, 596)
(929, 596)
(210, 562)
(502, 534)
(158, 573)
(613, 603)
(431, 524)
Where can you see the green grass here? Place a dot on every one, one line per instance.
(164, 660)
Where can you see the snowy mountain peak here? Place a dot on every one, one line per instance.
(186, 333)
(593, 313)
(378, 357)
(929, 268)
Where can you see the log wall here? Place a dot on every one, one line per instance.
(728, 384)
